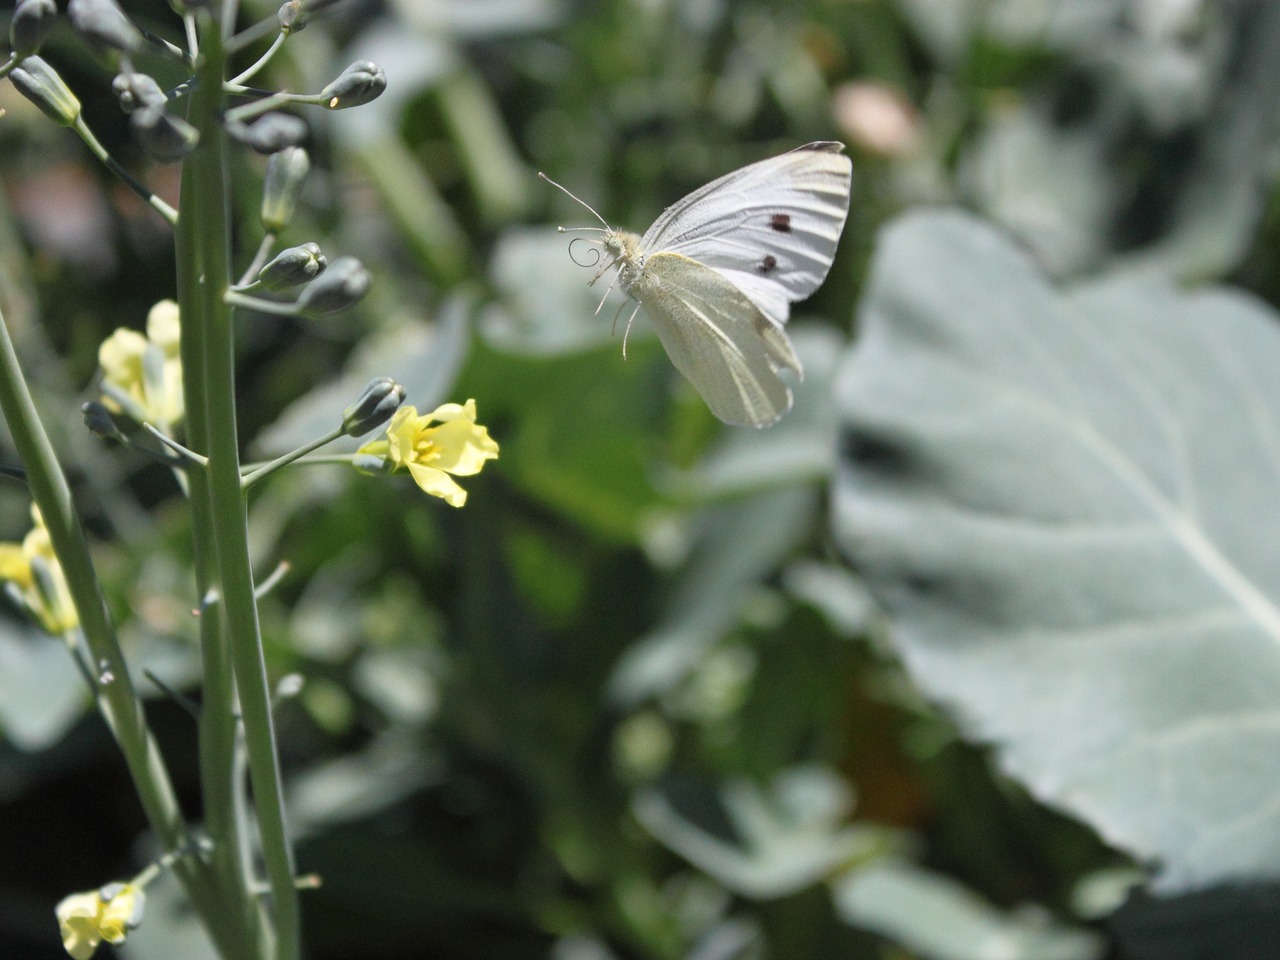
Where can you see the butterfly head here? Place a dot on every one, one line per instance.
(616, 247)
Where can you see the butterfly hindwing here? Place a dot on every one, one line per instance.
(771, 228)
(714, 335)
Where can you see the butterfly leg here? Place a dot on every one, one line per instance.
(628, 330)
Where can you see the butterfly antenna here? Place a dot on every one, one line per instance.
(627, 331)
(567, 192)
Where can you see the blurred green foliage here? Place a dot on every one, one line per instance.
(627, 703)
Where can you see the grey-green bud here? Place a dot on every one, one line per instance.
(162, 135)
(101, 421)
(272, 132)
(343, 284)
(136, 90)
(103, 22)
(293, 16)
(40, 83)
(361, 82)
(32, 21)
(293, 267)
(286, 172)
(374, 407)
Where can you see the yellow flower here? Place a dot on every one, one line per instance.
(87, 919)
(142, 376)
(32, 569)
(456, 445)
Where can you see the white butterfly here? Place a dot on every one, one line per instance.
(718, 271)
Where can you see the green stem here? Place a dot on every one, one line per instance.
(283, 461)
(110, 163)
(118, 699)
(261, 62)
(221, 784)
(207, 204)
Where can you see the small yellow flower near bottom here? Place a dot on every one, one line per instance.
(455, 445)
(87, 919)
(33, 569)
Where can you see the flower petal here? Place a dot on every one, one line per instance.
(438, 484)
(78, 923)
(14, 564)
(462, 447)
(163, 328)
(120, 357)
(453, 411)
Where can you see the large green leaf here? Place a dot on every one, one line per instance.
(1067, 503)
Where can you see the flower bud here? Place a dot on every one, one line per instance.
(293, 16)
(270, 133)
(162, 135)
(343, 284)
(40, 83)
(103, 22)
(102, 421)
(293, 267)
(381, 398)
(32, 21)
(361, 82)
(136, 90)
(286, 172)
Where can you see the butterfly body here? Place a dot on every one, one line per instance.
(718, 271)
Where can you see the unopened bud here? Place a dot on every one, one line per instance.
(381, 398)
(361, 82)
(343, 284)
(136, 90)
(40, 83)
(293, 267)
(103, 22)
(286, 173)
(32, 21)
(293, 16)
(270, 133)
(162, 135)
(102, 422)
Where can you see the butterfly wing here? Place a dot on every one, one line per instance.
(770, 229)
(719, 339)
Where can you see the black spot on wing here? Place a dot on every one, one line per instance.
(780, 222)
(768, 264)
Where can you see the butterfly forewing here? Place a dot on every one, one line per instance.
(770, 228)
(713, 333)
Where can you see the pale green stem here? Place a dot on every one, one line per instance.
(118, 700)
(259, 260)
(213, 352)
(109, 161)
(283, 461)
(263, 60)
(236, 299)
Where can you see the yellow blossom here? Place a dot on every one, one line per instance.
(87, 919)
(456, 445)
(36, 577)
(142, 376)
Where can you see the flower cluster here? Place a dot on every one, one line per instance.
(87, 919)
(34, 578)
(456, 445)
(142, 376)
